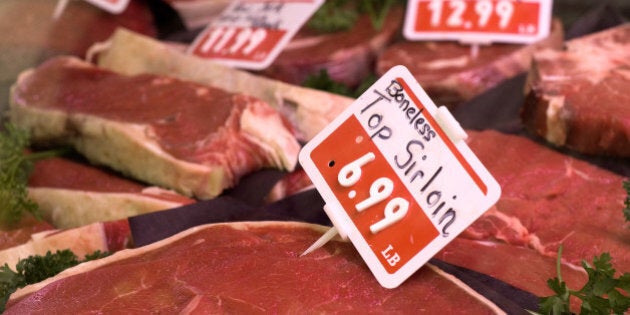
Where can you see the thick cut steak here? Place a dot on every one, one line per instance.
(348, 56)
(451, 74)
(578, 97)
(549, 199)
(243, 268)
(71, 194)
(192, 138)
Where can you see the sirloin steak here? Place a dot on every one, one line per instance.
(247, 268)
(71, 194)
(578, 97)
(451, 74)
(192, 138)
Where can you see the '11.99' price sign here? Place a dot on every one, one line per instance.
(397, 176)
(251, 33)
(512, 21)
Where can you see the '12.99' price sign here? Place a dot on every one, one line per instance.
(397, 176)
(511, 21)
(250, 34)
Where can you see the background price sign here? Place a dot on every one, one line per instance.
(397, 176)
(251, 34)
(510, 21)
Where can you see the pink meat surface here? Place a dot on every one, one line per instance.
(221, 269)
(549, 199)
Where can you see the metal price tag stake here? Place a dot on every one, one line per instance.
(397, 177)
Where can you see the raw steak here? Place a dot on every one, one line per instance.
(550, 199)
(192, 138)
(104, 236)
(242, 268)
(348, 56)
(309, 110)
(578, 97)
(71, 194)
(30, 34)
(451, 74)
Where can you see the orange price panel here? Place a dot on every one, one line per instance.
(239, 43)
(373, 196)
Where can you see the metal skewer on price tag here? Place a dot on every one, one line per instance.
(397, 177)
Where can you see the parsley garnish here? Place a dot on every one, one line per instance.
(341, 15)
(37, 268)
(602, 293)
(15, 168)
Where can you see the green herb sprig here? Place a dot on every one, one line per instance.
(15, 168)
(600, 295)
(341, 15)
(37, 268)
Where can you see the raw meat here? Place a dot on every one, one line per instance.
(309, 110)
(243, 268)
(71, 194)
(451, 74)
(347, 56)
(578, 97)
(195, 139)
(30, 34)
(549, 199)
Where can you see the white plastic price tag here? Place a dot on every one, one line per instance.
(509, 21)
(251, 34)
(397, 176)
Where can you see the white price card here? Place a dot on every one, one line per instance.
(509, 21)
(397, 176)
(251, 33)
(111, 6)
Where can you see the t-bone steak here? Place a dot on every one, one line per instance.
(578, 97)
(195, 139)
(243, 268)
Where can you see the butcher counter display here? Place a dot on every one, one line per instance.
(170, 183)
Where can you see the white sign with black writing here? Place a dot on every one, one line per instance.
(397, 176)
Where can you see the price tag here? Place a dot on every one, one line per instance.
(397, 176)
(251, 34)
(112, 6)
(510, 21)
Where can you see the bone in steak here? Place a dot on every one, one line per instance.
(243, 268)
(21, 232)
(451, 74)
(192, 138)
(578, 97)
(71, 194)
